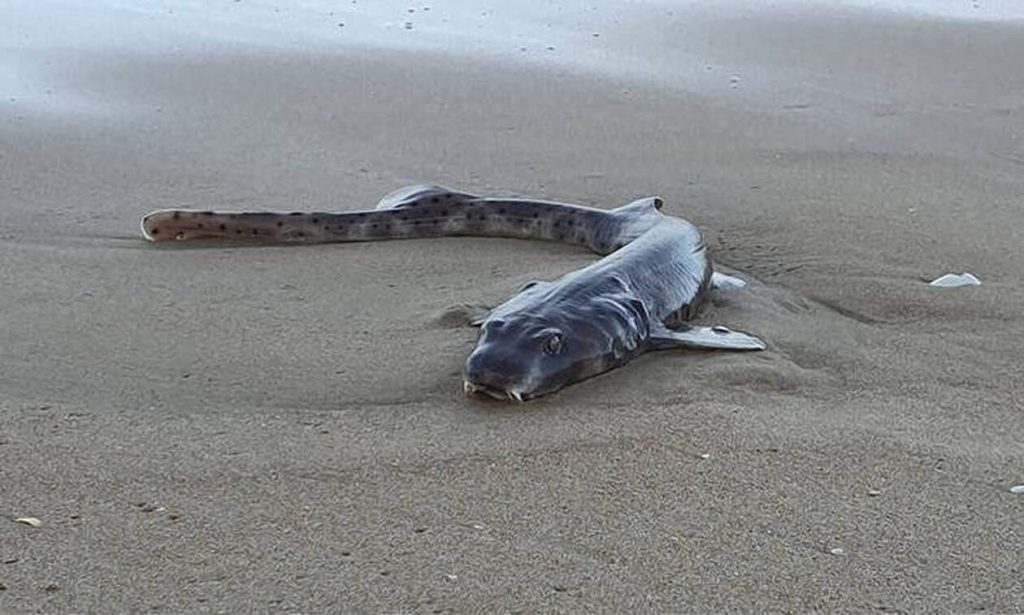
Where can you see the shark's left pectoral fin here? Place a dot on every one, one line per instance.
(713, 338)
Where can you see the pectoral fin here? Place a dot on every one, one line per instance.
(712, 338)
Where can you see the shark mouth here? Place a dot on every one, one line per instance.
(472, 388)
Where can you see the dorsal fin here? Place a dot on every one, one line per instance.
(644, 206)
(634, 219)
(410, 195)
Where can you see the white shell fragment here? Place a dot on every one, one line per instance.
(952, 280)
(836, 551)
(29, 521)
(1017, 489)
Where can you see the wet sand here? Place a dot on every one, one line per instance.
(236, 428)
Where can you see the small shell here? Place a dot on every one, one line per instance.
(1017, 489)
(952, 280)
(29, 521)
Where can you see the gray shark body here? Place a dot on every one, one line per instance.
(654, 275)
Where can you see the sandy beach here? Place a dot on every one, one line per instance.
(229, 428)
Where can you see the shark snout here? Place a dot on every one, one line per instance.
(492, 376)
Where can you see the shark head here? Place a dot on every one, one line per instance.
(523, 355)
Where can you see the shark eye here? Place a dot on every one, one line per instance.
(553, 345)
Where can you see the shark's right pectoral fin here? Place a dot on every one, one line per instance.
(708, 338)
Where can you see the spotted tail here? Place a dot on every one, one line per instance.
(418, 211)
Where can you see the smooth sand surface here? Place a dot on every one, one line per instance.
(231, 428)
